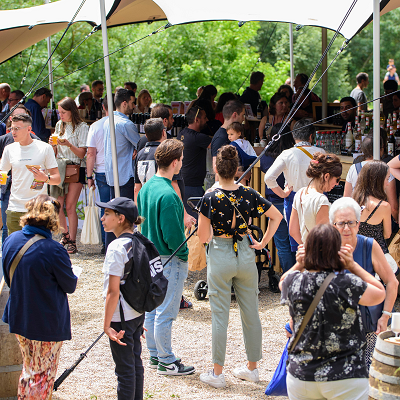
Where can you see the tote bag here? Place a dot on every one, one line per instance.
(197, 253)
(91, 231)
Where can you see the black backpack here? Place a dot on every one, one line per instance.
(143, 285)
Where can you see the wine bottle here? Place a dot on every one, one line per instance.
(259, 109)
(54, 116)
(349, 139)
(391, 143)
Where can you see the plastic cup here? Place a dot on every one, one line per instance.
(3, 177)
(54, 139)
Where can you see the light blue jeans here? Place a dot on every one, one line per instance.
(159, 322)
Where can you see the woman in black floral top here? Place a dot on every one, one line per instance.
(226, 211)
(328, 360)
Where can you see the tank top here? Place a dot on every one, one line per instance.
(374, 231)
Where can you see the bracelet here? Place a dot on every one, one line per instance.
(48, 179)
(387, 313)
(89, 177)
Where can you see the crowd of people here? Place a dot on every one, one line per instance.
(157, 174)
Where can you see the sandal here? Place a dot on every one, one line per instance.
(71, 249)
(65, 239)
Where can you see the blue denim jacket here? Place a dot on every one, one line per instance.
(127, 137)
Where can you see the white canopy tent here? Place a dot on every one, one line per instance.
(24, 27)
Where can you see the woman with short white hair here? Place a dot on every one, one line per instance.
(345, 214)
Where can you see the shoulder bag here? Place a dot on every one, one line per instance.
(311, 310)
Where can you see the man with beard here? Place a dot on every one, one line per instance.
(348, 111)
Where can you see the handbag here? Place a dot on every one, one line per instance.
(197, 252)
(311, 310)
(91, 231)
(71, 173)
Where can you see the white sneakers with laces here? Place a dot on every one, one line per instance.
(244, 373)
(217, 381)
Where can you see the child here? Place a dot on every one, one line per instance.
(119, 217)
(235, 134)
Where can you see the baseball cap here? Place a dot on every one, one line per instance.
(122, 205)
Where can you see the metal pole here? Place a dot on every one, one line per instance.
(325, 77)
(291, 54)
(376, 78)
(109, 98)
(50, 64)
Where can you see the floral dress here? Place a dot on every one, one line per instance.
(220, 205)
(332, 344)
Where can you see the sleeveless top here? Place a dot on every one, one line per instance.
(374, 231)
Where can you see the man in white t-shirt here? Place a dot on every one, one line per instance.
(95, 162)
(28, 158)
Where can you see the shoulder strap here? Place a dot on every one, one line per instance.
(307, 153)
(23, 250)
(302, 211)
(358, 167)
(311, 310)
(373, 211)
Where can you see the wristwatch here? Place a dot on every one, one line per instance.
(387, 313)
(48, 178)
(89, 177)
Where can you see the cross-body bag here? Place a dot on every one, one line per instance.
(23, 250)
(311, 310)
(305, 152)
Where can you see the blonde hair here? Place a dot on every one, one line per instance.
(42, 211)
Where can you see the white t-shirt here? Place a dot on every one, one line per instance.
(114, 264)
(17, 157)
(246, 146)
(96, 139)
(307, 209)
(352, 175)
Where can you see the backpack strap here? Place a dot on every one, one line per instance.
(373, 211)
(358, 167)
(307, 153)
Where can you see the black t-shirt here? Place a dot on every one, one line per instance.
(146, 166)
(219, 139)
(252, 97)
(194, 156)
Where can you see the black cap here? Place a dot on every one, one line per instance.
(122, 205)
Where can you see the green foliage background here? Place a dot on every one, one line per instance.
(174, 63)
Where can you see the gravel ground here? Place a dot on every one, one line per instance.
(94, 378)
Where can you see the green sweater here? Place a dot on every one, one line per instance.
(162, 209)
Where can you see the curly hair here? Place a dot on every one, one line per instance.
(227, 161)
(42, 211)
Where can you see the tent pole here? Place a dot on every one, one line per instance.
(109, 97)
(50, 64)
(291, 54)
(325, 77)
(376, 78)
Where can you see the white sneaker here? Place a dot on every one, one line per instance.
(246, 374)
(217, 381)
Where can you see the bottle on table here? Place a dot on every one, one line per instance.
(357, 141)
(54, 116)
(381, 116)
(367, 127)
(349, 139)
(397, 138)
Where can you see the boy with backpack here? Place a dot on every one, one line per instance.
(122, 323)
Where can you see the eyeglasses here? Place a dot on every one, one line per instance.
(342, 224)
(17, 129)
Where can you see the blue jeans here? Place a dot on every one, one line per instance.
(159, 322)
(287, 258)
(124, 191)
(288, 204)
(192, 191)
(128, 361)
(105, 196)
(5, 197)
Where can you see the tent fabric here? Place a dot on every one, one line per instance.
(46, 20)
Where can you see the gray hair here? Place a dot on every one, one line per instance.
(303, 132)
(343, 203)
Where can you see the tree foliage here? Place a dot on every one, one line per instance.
(174, 63)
